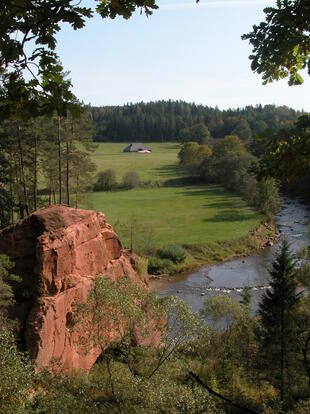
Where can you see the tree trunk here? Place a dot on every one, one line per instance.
(282, 357)
(107, 361)
(22, 169)
(240, 408)
(21, 210)
(18, 184)
(59, 162)
(35, 181)
(69, 152)
(11, 191)
(131, 237)
(68, 172)
(77, 191)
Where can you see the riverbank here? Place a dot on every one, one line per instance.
(264, 235)
(231, 276)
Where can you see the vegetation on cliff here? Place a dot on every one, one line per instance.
(223, 367)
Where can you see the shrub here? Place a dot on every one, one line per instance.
(141, 265)
(16, 375)
(174, 253)
(303, 407)
(268, 199)
(131, 179)
(159, 266)
(106, 180)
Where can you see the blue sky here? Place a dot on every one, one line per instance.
(183, 51)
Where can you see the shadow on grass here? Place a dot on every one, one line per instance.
(232, 202)
(205, 190)
(165, 171)
(230, 216)
(180, 182)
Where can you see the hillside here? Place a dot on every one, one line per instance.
(163, 120)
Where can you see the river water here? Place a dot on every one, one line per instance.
(230, 277)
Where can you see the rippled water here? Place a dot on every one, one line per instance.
(229, 277)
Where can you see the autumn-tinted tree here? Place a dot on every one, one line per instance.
(230, 144)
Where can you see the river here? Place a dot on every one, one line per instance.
(230, 277)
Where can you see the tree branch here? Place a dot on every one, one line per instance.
(216, 394)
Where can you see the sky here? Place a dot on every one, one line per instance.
(184, 51)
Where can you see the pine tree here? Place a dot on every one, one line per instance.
(277, 311)
(5, 194)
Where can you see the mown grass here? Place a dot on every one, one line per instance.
(211, 223)
(190, 215)
(158, 166)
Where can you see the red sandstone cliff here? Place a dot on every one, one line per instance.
(58, 251)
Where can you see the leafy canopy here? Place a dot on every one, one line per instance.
(281, 44)
(28, 30)
(287, 151)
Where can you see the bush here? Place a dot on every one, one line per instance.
(131, 179)
(106, 180)
(16, 373)
(159, 266)
(140, 265)
(268, 199)
(174, 253)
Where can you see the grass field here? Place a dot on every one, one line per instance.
(168, 214)
(158, 166)
(191, 215)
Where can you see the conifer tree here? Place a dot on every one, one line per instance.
(277, 311)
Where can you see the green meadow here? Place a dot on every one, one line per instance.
(171, 213)
(190, 215)
(160, 165)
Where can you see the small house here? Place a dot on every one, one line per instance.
(137, 147)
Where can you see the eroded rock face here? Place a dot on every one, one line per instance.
(58, 251)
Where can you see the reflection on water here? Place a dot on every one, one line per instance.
(231, 276)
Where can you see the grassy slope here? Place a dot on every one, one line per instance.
(192, 215)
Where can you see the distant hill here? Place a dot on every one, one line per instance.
(163, 120)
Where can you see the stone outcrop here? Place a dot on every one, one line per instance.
(58, 251)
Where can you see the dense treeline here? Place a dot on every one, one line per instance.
(228, 163)
(164, 120)
(285, 154)
(273, 159)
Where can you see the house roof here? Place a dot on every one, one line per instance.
(136, 146)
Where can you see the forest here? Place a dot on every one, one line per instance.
(166, 120)
(44, 160)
